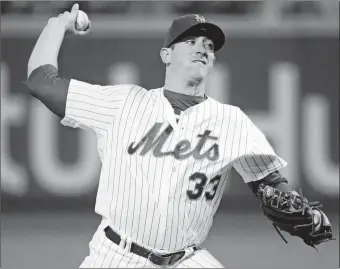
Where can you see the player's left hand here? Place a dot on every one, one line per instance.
(292, 213)
(68, 20)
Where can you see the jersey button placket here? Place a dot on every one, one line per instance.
(173, 179)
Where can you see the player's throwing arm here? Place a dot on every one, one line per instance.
(45, 54)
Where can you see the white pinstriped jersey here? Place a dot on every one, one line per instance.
(161, 180)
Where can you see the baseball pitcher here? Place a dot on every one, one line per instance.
(166, 152)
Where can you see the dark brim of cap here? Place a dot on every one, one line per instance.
(210, 30)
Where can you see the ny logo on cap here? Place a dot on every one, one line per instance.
(199, 18)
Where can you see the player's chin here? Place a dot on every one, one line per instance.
(200, 74)
(204, 71)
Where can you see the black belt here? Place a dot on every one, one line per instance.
(162, 260)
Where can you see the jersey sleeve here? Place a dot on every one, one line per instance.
(260, 158)
(93, 106)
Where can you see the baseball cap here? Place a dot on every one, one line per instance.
(194, 23)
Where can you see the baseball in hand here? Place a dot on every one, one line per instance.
(82, 21)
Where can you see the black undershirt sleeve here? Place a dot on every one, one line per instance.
(45, 84)
(274, 179)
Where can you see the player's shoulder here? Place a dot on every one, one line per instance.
(227, 108)
(233, 112)
(124, 90)
(103, 87)
(124, 87)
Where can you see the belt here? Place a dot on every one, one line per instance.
(161, 260)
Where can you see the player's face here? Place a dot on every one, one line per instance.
(194, 55)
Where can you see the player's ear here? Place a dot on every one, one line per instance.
(165, 54)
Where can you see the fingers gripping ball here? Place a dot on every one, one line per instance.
(293, 213)
(82, 21)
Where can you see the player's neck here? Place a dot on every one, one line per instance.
(185, 87)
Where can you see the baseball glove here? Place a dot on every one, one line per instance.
(292, 213)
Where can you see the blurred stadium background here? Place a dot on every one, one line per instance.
(280, 65)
